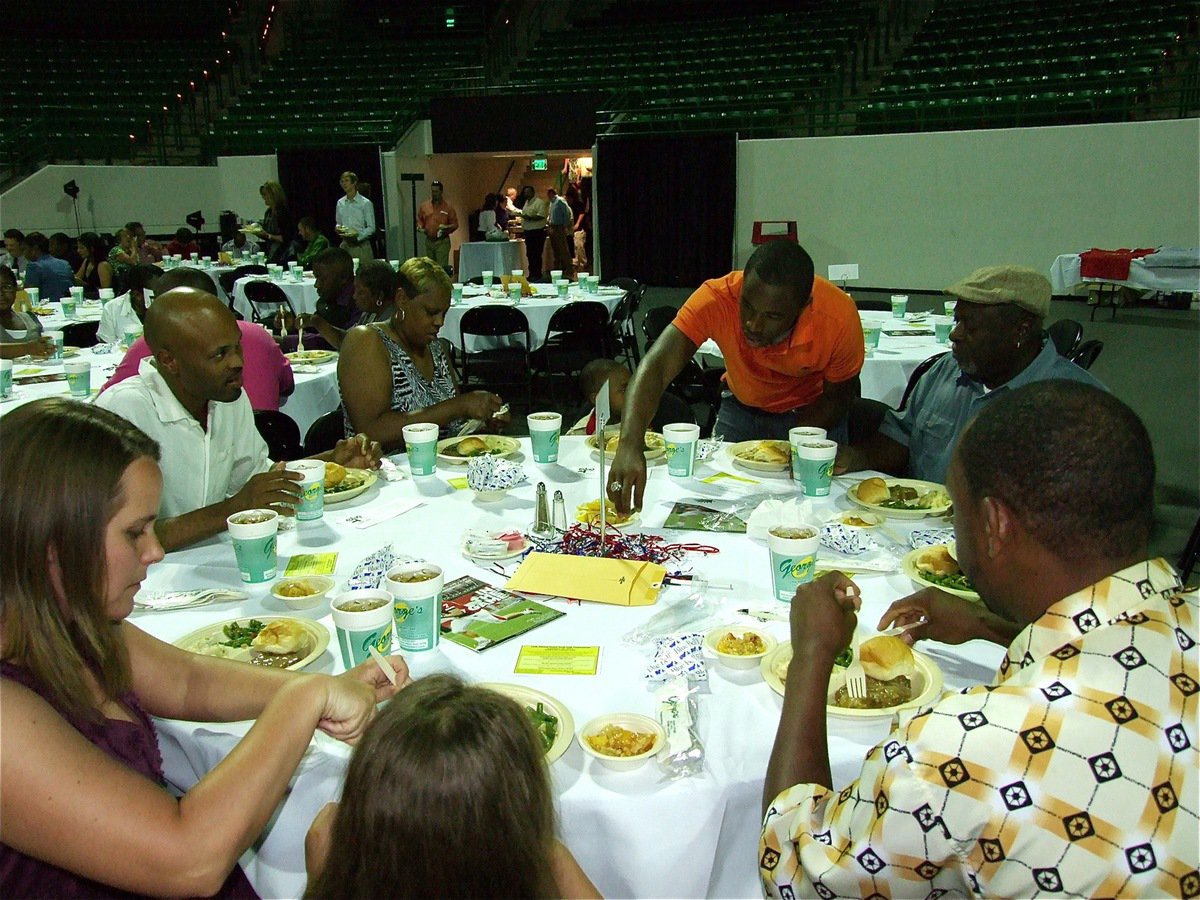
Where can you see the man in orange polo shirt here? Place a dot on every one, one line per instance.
(793, 348)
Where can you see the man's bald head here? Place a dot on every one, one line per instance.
(183, 311)
(184, 276)
(197, 347)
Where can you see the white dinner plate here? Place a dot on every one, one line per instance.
(909, 565)
(927, 683)
(656, 447)
(755, 465)
(527, 696)
(312, 357)
(497, 444)
(890, 512)
(363, 478)
(193, 641)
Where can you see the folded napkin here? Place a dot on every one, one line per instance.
(770, 513)
(389, 471)
(167, 600)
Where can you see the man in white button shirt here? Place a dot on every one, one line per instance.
(189, 398)
(127, 311)
(355, 219)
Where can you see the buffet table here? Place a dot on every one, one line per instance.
(636, 834)
(1148, 273)
(884, 374)
(500, 257)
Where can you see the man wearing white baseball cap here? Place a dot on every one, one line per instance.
(997, 344)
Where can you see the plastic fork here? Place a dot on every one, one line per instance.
(856, 677)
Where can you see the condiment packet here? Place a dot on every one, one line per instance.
(101, 349)
(678, 656)
(928, 537)
(370, 572)
(847, 539)
(491, 473)
(682, 753)
(492, 543)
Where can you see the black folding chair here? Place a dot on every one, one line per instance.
(281, 433)
(507, 365)
(922, 367)
(1066, 335)
(81, 334)
(578, 333)
(1087, 353)
(622, 332)
(266, 299)
(324, 433)
(227, 279)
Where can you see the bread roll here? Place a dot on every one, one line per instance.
(938, 561)
(280, 636)
(471, 446)
(886, 658)
(873, 490)
(334, 474)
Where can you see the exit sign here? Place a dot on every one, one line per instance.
(540, 164)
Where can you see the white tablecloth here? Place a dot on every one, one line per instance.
(316, 393)
(885, 374)
(1065, 277)
(538, 310)
(303, 294)
(500, 257)
(635, 834)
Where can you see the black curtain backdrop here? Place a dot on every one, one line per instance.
(666, 207)
(310, 180)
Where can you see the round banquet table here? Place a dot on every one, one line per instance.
(315, 394)
(537, 309)
(302, 294)
(636, 834)
(885, 374)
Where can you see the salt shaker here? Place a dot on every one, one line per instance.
(541, 518)
(560, 512)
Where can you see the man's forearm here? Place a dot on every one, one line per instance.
(801, 751)
(641, 401)
(189, 528)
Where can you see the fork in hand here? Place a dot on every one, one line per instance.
(856, 677)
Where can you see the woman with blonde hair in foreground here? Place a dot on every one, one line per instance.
(84, 810)
(448, 795)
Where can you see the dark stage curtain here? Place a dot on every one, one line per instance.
(310, 180)
(666, 207)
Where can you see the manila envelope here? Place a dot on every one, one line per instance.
(617, 581)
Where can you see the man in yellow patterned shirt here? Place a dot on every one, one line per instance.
(1075, 771)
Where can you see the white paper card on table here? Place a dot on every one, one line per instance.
(365, 518)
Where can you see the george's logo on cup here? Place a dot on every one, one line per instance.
(404, 609)
(799, 569)
(826, 470)
(380, 640)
